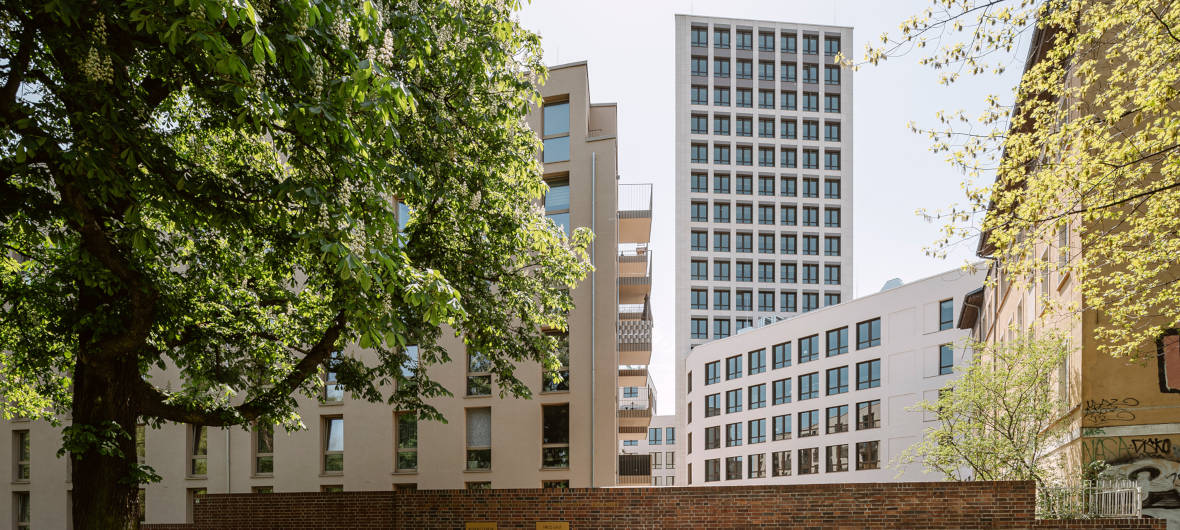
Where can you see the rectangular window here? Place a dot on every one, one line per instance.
(700, 299)
(700, 242)
(789, 100)
(810, 187)
(808, 423)
(868, 374)
(837, 341)
(479, 485)
(713, 372)
(745, 98)
(766, 275)
(766, 240)
(831, 46)
(656, 459)
(788, 216)
(809, 461)
(789, 243)
(810, 73)
(789, 186)
(406, 441)
(745, 70)
(831, 75)
(832, 104)
(700, 95)
(700, 154)
(720, 328)
(721, 154)
(766, 130)
(733, 468)
(556, 132)
(757, 465)
(837, 458)
(700, 37)
(198, 454)
(757, 397)
(810, 102)
(745, 40)
(712, 405)
(721, 270)
(765, 42)
(867, 455)
(264, 448)
(558, 380)
(721, 96)
(766, 157)
(832, 217)
(745, 153)
(811, 44)
(790, 72)
(788, 302)
(832, 160)
(781, 390)
(810, 301)
(766, 100)
(780, 463)
(721, 299)
(757, 361)
(700, 66)
(832, 134)
(557, 203)
(20, 455)
(479, 376)
(788, 158)
(788, 129)
(809, 386)
(837, 419)
(831, 245)
(333, 440)
(831, 275)
(712, 437)
(712, 470)
(721, 239)
(837, 380)
(22, 512)
(789, 41)
(333, 390)
(782, 427)
(810, 242)
(766, 298)
(868, 334)
(757, 430)
(766, 186)
(721, 68)
(868, 414)
(946, 314)
(700, 328)
(733, 367)
(555, 436)
(700, 183)
(670, 437)
(733, 401)
(744, 185)
(745, 271)
(700, 124)
(733, 434)
(655, 436)
(809, 348)
(946, 359)
(781, 355)
(700, 268)
(744, 215)
(721, 38)
(479, 438)
(831, 299)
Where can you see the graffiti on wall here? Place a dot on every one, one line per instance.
(1159, 482)
(1102, 411)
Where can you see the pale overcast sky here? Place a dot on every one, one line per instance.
(628, 46)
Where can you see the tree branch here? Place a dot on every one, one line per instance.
(17, 67)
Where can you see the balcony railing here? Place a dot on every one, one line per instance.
(634, 200)
(1090, 499)
(637, 400)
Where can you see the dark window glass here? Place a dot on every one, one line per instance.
(868, 374)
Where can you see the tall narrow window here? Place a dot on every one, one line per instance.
(479, 438)
(141, 443)
(21, 511)
(946, 314)
(558, 380)
(264, 449)
(198, 454)
(946, 359)
(407, 441)
(20, 449)
(333, 390)
(555, 436)
(479, 377)
(557, 203)
(333, 445)
(556, 132)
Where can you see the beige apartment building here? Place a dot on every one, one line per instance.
(566, 436)
(1125, 412)
(654, 460)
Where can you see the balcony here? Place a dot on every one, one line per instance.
(634, 275)
(634, 213)
(634, 470)
(634, 342)
(634, 376)
(635, 406)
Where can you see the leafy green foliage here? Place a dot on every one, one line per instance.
(996, 420)
(212, 188)
(1087, 145)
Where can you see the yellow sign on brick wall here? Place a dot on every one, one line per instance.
(552, 525)
(481, 525)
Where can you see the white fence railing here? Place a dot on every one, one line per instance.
(1090, 499)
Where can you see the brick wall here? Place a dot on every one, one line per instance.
(889, 505)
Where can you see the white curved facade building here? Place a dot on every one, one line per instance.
(823, 397)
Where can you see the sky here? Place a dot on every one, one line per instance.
(628, 46)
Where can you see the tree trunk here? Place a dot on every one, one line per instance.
(105, 494)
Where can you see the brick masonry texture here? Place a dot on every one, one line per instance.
(836, 506)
